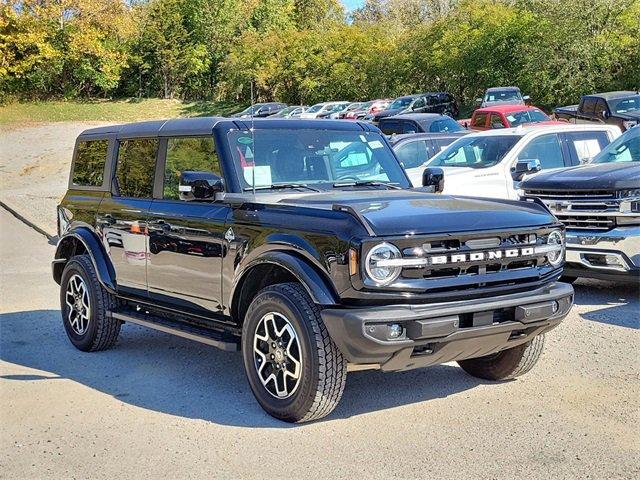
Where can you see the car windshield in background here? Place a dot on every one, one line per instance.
(527, 116)
(400, 103)
(316, 108)
(624, 105)
(503, 96)
(299, 158)
(475, 152)
(623, 149)
(445, 125)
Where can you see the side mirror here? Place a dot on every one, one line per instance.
(478, 101)
(524, 167)
(605, 114)
(526, 98)
(199, 186)
(433, 177)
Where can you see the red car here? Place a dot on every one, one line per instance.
(505, 116)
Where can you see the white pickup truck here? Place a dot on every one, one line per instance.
(493, 163)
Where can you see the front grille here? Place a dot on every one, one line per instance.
(582, 210)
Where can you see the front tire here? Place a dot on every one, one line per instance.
(85, 307)
(507, 364)
(294, 369)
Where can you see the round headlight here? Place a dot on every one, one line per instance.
(555, 257)
(379, 263)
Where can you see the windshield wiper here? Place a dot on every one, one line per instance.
(367, 183)
(281, 186)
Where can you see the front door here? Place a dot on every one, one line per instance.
(122, 215)
(186, 238)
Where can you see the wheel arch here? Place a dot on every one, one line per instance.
(279, 267)
(78, 242)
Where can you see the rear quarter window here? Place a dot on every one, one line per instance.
(88, 166)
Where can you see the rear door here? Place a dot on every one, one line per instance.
(186, 238)
(122, 216)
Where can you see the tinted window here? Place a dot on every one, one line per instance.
(188, 154)
(412, 154)
(419, 103)
(586, 145)
(547, 149)
(601, 107)
(445, 125)
(475, 152)
(479, 120)
(88, 168)
(432, 100)
(624, 105)
(136, 167)
(390, 127)
(496, 121)
(588, 105)
(312, 157)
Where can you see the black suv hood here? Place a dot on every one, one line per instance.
(388, 113)
(600, 176)
(407, 212)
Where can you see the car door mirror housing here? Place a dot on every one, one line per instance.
(525, 166)
(526, 98)
(199, 185)
(433, 177)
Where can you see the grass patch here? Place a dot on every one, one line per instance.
(127, 110)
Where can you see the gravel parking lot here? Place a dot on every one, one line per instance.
(160, 406)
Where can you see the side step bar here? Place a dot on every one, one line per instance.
(180, 329)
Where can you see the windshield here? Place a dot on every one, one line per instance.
(316, 108)
(625, 105)
(527, 116)
(503, 96)
(445, 125)
(624, 149)
(313, 157)
(338, 106)
(475, 152)
(400, 103)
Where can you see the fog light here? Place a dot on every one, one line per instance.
(614, 260)
(394, 330)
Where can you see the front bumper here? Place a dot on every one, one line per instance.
(443, 332)
(610, 255)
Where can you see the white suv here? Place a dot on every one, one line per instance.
(494, 162)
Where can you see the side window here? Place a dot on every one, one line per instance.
(432, 100)
(600, 108)
(390, 127)
(496, 121)
(136, 167)
(442, 143)
(586, 145)
(480, 120)
(88, 167)
(588, 105)
(188, 154)
(547, 149)
(419, 103)
(410, 127)
(413, 154)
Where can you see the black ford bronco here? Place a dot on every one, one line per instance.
(302, 244)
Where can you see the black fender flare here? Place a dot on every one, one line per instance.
(317, 285)
(104, 269)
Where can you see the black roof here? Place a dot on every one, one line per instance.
(205, 126)
(613, 95)
(399, 138)
(418, 117)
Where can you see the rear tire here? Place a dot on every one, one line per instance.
(507, 364)
(85, 307)
(294, 369)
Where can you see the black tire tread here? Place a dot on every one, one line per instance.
(508, 364)
(108, 328)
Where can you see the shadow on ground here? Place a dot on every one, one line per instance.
(620, 303)
(168, 374)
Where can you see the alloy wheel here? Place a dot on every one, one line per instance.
(77, 300)
(277, 355)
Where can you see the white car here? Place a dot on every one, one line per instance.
(320, 110)
(494, 162)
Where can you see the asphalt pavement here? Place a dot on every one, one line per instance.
(157, 406)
